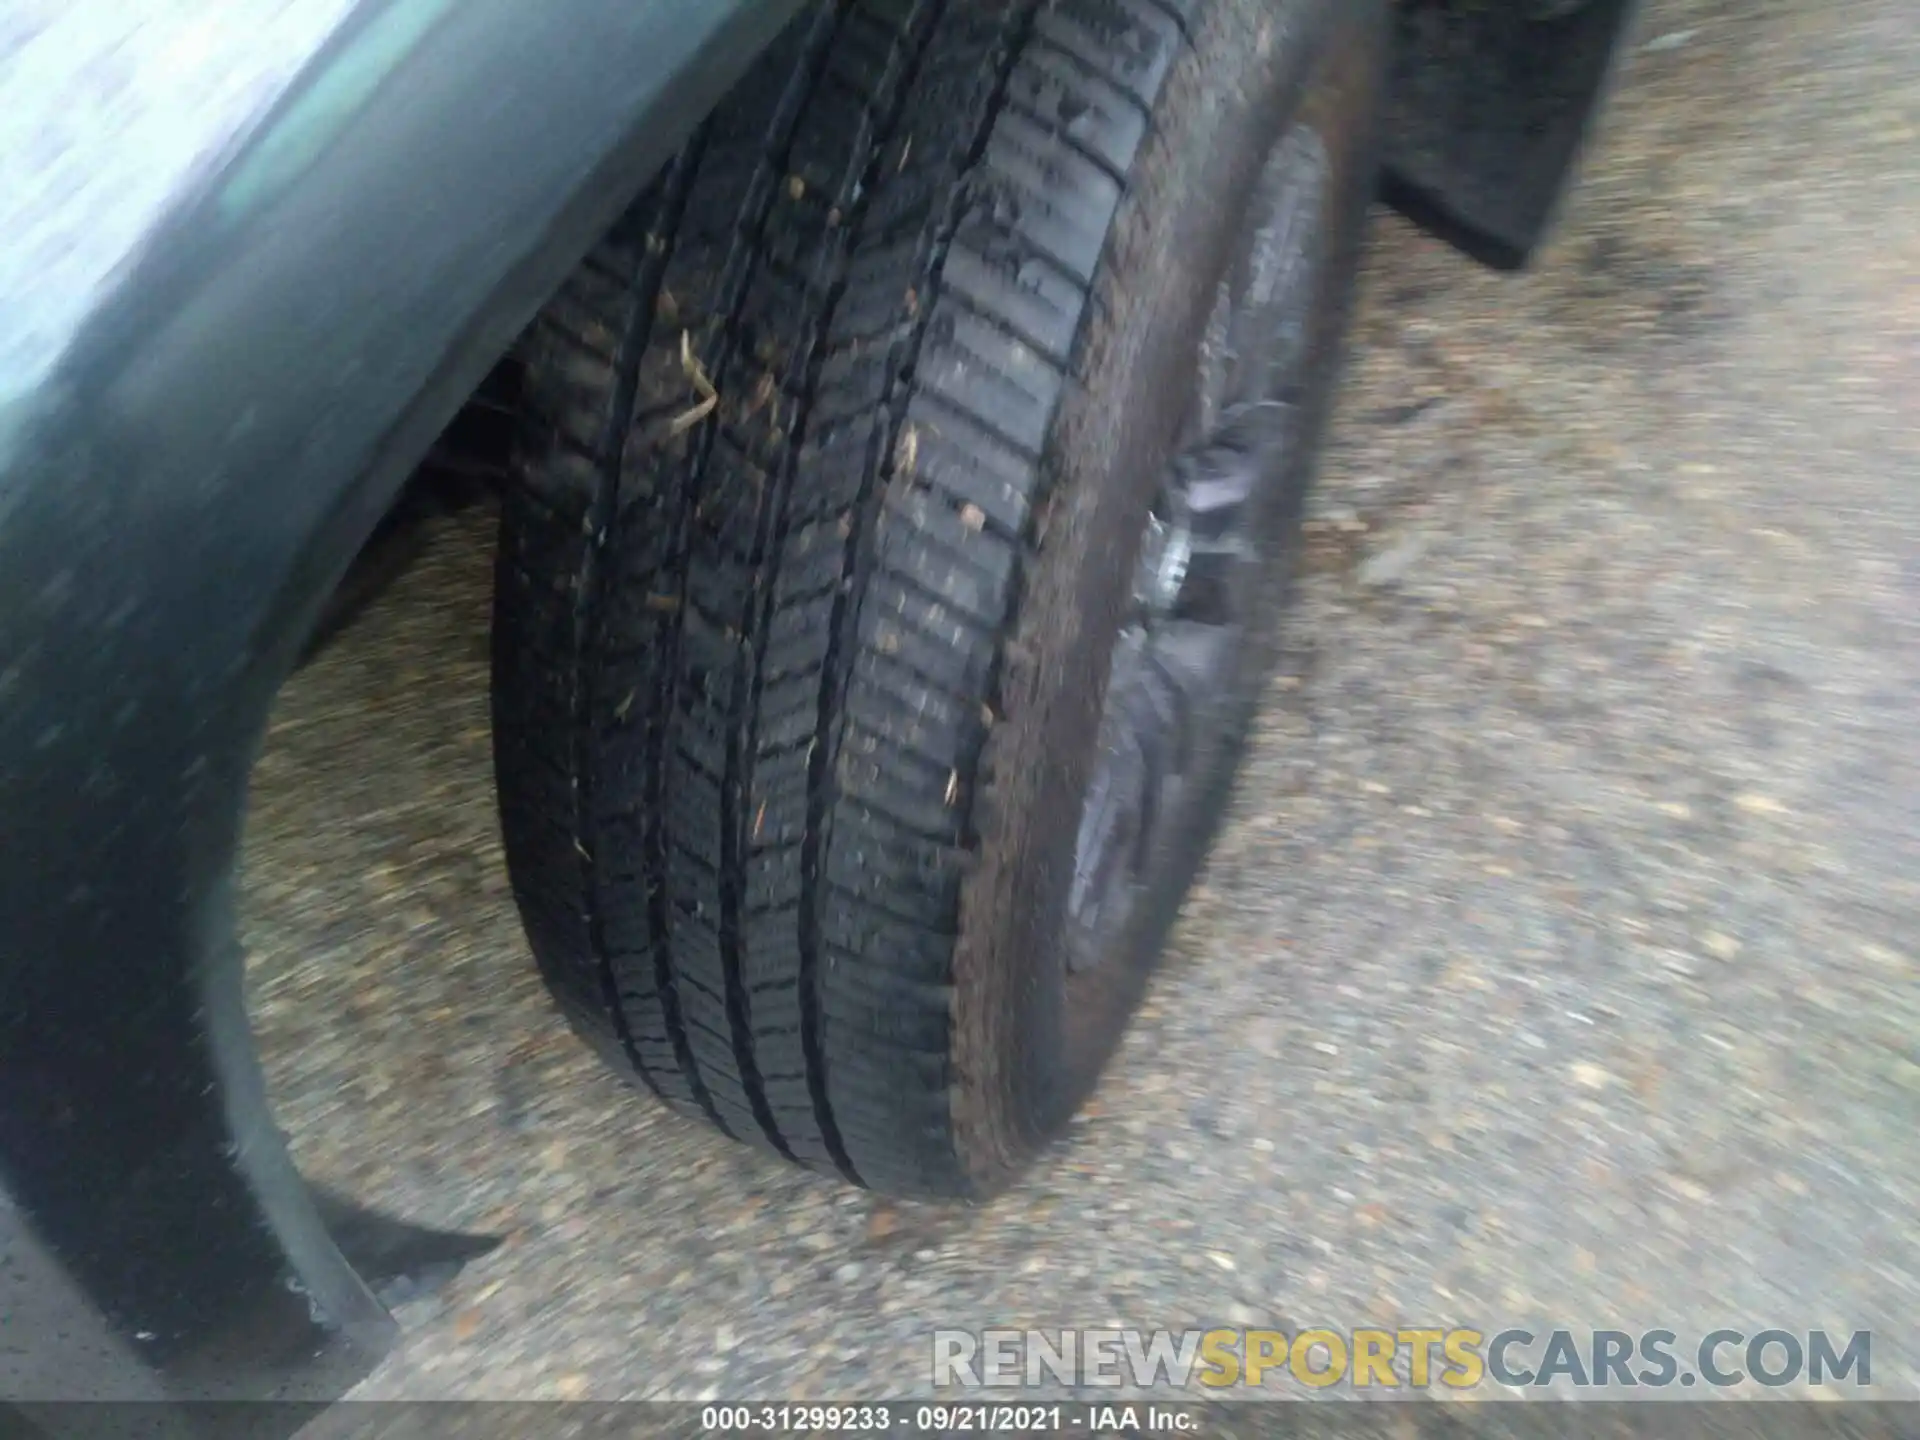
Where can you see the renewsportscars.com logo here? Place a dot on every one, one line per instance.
(1414, 1358)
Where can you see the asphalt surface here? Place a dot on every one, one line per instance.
(1560, 964)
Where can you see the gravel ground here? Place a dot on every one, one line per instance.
(1557, 967)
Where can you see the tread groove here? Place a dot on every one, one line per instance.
(900, 75)
(745, 260)
(591, 588)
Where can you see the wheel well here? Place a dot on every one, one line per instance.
(467, 462)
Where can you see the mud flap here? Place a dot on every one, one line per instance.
(399, 1261)
(1489, 108)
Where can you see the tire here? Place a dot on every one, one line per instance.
(825, 549)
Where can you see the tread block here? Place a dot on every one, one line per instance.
(891, 708)
(928, 637)
(928, 549)
(1030, 298)
(1079, 104)
(1131, 43)
(970, 464)
(876, 862)
(1037, 198)
(981, 371)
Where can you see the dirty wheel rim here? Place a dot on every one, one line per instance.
(1174, 659)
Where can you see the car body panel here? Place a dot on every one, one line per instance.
(251, 269)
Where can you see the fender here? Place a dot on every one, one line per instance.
(226, 345)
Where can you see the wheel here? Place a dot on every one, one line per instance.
(947, 405)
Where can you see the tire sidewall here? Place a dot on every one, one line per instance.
(1028, 1046)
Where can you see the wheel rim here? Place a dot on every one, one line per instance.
(1176, 653)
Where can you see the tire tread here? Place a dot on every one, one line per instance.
(739, 723)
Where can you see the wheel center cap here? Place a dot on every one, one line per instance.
(1174, 657)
